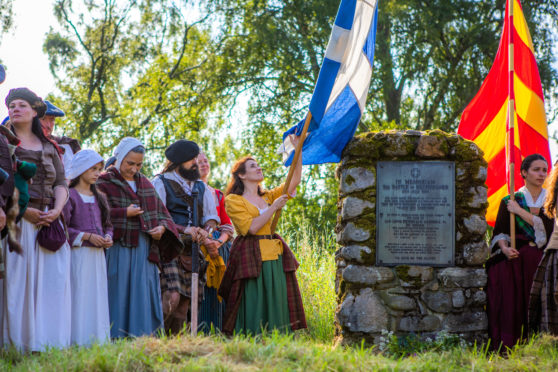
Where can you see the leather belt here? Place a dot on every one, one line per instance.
(41, 201)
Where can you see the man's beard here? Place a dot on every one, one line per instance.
(192, 174)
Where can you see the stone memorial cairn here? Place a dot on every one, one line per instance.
(407, 299)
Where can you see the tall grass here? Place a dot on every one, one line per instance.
(314, 248)
(311, 350)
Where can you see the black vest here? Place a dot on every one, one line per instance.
(180, 205)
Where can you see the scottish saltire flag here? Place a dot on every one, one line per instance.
(340, 94)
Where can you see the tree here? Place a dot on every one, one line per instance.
(430, 59)
(149, 68)
(132, 68)
(6, 16)
(431, 56)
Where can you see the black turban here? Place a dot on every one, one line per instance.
(27, 95)
(182, 151)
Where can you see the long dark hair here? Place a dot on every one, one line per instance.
(236, 186)
(550, 201)
(37, 130)
(101, 199)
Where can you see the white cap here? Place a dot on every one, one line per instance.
(81, 162)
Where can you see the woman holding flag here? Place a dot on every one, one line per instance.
(260, 286)
(511, 271)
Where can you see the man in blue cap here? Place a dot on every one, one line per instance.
(70, 145)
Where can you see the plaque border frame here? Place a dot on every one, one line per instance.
(379, 165)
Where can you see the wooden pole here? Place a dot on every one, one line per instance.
(511, 118)
(195, 278)
(297, 155)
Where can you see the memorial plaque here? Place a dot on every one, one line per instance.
(415, 213)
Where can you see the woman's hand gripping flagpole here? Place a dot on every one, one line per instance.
(294, 164)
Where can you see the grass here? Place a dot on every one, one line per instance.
(275, 352)
(312, 350)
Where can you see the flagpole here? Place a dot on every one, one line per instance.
(511, 118)
(297, 154)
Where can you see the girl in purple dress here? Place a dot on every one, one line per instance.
(87, 215)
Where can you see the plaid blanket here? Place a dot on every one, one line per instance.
(127, 229)
(527, 229)
(245, 262)
(543, 300)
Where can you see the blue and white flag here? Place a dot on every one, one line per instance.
(340, 94)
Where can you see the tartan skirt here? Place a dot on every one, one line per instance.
(176, 276)
(543, 300)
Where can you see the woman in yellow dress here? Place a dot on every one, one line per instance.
(260, 286)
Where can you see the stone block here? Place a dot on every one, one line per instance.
(466, 322)
(363, 312)
(397, 145)
(353, 207)
(399, 302)
(437, 301)
(414, 276)
(413, 133)
(367, 275)
(475, 224)
(475, 254)
(431, 147)
(352, 233)
(460, 172)
(458, 299)
(479, 298)
(479, 194)
(482, 174)
(427, 323)
(354, 252)
(453, 277)
(356, 179)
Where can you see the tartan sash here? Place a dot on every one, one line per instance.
(527, 229)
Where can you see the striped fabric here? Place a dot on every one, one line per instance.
(484, 121)
(340, 94)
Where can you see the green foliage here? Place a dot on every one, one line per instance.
(314, 250)
(412, 344)
(235, 74)
(138, 68)
(6, 16)
(275, 352)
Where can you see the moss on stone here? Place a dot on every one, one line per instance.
(349, 180)
(368, 194)
(369, 259)
(402, 272)
(465, 150)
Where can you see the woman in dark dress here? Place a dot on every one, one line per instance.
(511, 271)
(543, 303)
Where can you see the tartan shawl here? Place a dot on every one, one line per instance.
(527, 229)
(245, 262)
(127, 229)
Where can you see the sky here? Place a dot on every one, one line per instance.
(21, 52)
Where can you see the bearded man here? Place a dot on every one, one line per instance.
(181, 176)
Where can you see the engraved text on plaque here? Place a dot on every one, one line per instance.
(415, 213)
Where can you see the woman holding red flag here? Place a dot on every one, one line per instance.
(511, 271)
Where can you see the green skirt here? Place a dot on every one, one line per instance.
(264, 303)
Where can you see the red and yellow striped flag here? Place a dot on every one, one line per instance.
(484, 121)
